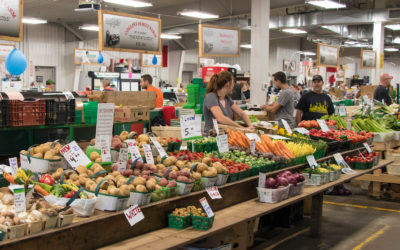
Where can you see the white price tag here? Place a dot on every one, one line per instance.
(190, 127)
(253, 136)
(134, 215)
(367, 147)
(14, 165)
(74, 155)
(68, 95)
(342, 111)
(105, 122)
(19, 198)
(262, 178)
(133, 149)
(148, 153)
(215, 122)
(206, 207)
(122, 159)
(278, 137)
(213, 192)
(341, 162)
(348, 125)
(323, 125)
(222, 143)
(159, 148)
(287, 127)
(302, 131)
(105, 150)
(252, 146)
(311, 161)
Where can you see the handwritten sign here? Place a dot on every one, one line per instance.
(206, 207)
(215, 122)
(14, 165)
(287, 127)
(253, 136)
(302, 131)
(213, 192)
(311, 161)
(122, 159)
(323, 125)
(190, 127)
(367, 147)
(105, 150)
(134, 215)
(148, 153)
(222, 143)
(105, 122)
(19, 198)
(159, 148)
(74, 155)
(134, 150)
(252, 146)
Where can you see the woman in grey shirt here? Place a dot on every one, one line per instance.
(218, 105)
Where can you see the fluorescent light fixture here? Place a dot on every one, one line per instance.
(130, 3)
(327, 4)
(246, 46)
(89, 27)
(391, 49)
(350, 42)
(32, 20)
(294, 31)
(396, 40)
(170, 36)
(198, 14)
(308, 53)
(393, 26)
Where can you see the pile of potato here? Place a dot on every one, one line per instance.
(44, 151)
(95, 157)
(190, 210)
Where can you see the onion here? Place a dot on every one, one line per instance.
(283, 181)
(299, 177)
(292, 180)
(270, 182)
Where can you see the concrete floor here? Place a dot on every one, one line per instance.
(353, 222)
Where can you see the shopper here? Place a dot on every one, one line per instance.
(283, 108)
(246, 90)
(218, 105)
(296, 93)
(50, 84)
(381, 92)
(314, 104)
(146, 82)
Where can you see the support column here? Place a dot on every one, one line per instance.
(378, 46)
(260, 11)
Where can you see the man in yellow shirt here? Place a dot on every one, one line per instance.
(146, 82)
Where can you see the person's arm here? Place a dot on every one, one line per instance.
(235, 108)
(331, 108)
(221, 118)
(273, 108)
(299, 113)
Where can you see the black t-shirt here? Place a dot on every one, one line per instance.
(247, 94)
(314, 105)
(381, 93)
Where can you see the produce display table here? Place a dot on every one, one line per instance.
(168, 238)
(105, 228)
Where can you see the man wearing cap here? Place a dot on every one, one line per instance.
(314, 104)
(49, 85)
(381, 92)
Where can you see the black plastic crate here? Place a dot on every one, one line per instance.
(60, 112)
(333, 145)
(4, 113)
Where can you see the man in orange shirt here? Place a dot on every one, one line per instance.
(146, 84)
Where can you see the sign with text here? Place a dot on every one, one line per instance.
(122, 159)
(311, 161)
(105, 150)
(222, 143)
(86, 56)
(327, 55)
(302, 131)
(206, 207)
(215, 122)
(213, 192)
(74, 155)
(148, 153)
(14, 165)
(367, 147)
(190, 127)
(253, 136)
(159, 148)
(134, 215)
(129, 33)
(105, 122)
(323, 125)
(11, 13)
(134, 150)
(19, 198)
(287, 127)
(218, 41)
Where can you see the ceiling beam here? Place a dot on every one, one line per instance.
(70, 29)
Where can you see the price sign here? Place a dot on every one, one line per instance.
(122, 159)
(323, 125)
(311, 161)
(68, 95)
(287, 127)
(367, 147)
(342, 111)
(252, 146)
(206, 207)
(222, 143)
(253, 136)
(278, 137)
(133, 149)
(216, 126)
(105, 122)
(19, 198)
(213, 192)
(341, 162)
(148, 153)
(159, 148)
(348, 125)
(302, 131)
(190, 127)
(105, 150)
(74, 155)
(134, 215)
(14, 165)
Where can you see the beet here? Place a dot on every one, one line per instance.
(283, 181)
(270, 182)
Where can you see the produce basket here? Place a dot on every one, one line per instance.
(363, 165)
(233, 177)
(49, 222)
(33, 227)
(254, 171)
(244, 174)
(78, 116)
(171, 192)
(26, 113)
(158, 195)
(198, 185)
(202, 223)
(332, 175)
(293, 191)
(107, 202)
(314, 180)
(179, 222)
(59, 113)
(39, 165)
(209, 181)
(269, 195)
(222, 179)
(184, 188)
(14, 232)
(65, 220)
(338, 173)
(139, 198)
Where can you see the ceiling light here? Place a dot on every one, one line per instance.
(396, 40)
(327, 4)
(294, 31)
(170, 36)
(393, 26)
(89, 27)
(391, 49)
(246, 46)
(308, 53)
(130, 3)
(31, 20)
(198, 14)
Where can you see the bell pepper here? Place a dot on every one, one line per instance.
(47, 179)
(70, 194)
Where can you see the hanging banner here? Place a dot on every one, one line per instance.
(130, 33)
(327, 55)
(368, 59)
(86, 56)
(11, 13)
(147, 60)
(218, 41)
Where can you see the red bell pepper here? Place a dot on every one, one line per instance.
(70, 194)
(47, 179)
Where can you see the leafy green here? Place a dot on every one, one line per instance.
(58, 190)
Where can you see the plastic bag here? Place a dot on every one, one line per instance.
(81, 207)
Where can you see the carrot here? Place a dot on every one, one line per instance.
(286, 150)
(41, 191)
(9, 178)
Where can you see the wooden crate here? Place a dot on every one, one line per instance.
(131, 114)
(368, 90)
(167, 131)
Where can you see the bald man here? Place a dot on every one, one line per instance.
(381, 92)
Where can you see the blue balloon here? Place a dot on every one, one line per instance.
(154, 61)
(16, 62)
(100, 58)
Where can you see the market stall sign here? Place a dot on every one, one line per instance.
(159, 148)
(148, 153)
(86, 56)
(105, 122)
(368, 59)
(215, 122)
(311, 161)
(147, 60)
(222, 143)
(213, 192)
(367, 147)
(74, 155)
(287, 127)
(252, 146)
(134, 150)
(327, 55)
(19, 198)
(323, 125)
(134, 215)
(105, 150)
(341, 162)
(11, 13)
(122, 159)
(129, 33)
(253, 136)
(190, 127)
(206, 207)
(218, 41)
(302, 131)
(14, 165)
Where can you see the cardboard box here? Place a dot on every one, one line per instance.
(368, 90)
(131, 114)
(125, 98)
